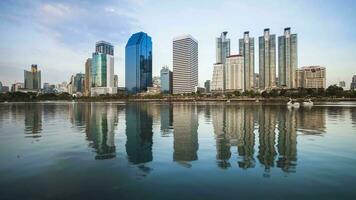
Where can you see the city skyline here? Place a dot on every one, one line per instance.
(57, 42)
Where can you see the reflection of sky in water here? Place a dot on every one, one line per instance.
(116, 148)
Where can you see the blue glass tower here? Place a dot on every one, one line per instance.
(138, 63)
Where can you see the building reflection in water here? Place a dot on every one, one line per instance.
(99, 121)
(185, 133)
(33, 120)
(287, 140)
(166, 111)
(139, 133)
(311, 121)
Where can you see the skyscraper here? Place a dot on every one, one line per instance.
(207, 86)
(247, 50)
(235, 75)
(87, 82)
(287, 59)
(222, 52)
(185, 64)
(267, 60)
(33, 78)
(138, 63)
(102, 69)
(353, 83)
(166, 80)
(78, 85)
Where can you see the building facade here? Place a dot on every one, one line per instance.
(138, 63)
(166, 80)
(207, 86)
(78, 84)
(102, 70)
(17, 86)
(353, 83)
(185, 64)
(87, 85)
(235, 74)
(32, 78)
(247, 50)
(311, 77)
(287, 59)
(267, 60)
(217, 82)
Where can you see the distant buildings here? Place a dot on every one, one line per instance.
(166, 80)
(17, 86)
(353, 83)
(247, 50)
(217, 82)
(32, 79)
(207, 86)
(78, 84)
(102, 69)
(235, 75)
(287, 59)
(138, 63)
(87, 81)
(185, 64)
(311, 77)
(48, 88)
(267, 60)
(342, 84)
(222, 48)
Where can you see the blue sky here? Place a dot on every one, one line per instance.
(60, 35)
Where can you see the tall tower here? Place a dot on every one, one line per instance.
(185, 64)
(222, 52)
(247, 50)
(267, 60)
(287, 59)
(33, 78)
(138, 63)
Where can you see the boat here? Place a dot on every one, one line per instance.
(308, 103)
(257, 100)
(228, 101)
(292, 104)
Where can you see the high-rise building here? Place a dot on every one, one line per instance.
(207, 86)
(33, 78)
(287, 59)
(166, 80)
(247, 50)
(78, 84)
(235, 75)
(311, 77)
(353, 83)
(267, 60)
(87, 85)
(102, 70)
(256, 83)
(138, 63)
(222, 52)
(185, 64)
(218, 80)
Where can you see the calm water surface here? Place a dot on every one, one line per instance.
(177, 151)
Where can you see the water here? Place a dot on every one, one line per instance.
(177, 151)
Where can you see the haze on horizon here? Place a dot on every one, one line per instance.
(60, 35)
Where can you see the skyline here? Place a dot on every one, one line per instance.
(59, 37)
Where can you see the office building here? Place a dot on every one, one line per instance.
(342, 84)
(235, 75)
(287, 59)
(166, 80)
(87, 85)
(222, 48)
(33, 78)
(311, 77)
(185, 64)
(138, 63)
(78, 84)
(353, 83)
(207, 86)
(247, 50)
(267, 60)
(218, 80)
(102, 70)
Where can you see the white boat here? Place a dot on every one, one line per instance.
(308, 103)
(292, 104)
(228, 101)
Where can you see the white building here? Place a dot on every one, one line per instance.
(217, 82)
(185, 64)
(235, 74)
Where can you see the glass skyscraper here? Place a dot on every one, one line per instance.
(138, 63)
(267, 60)
(247, 50)
(287, 59)
(32, 78)
(166, 80)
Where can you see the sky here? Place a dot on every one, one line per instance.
(59, 36)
